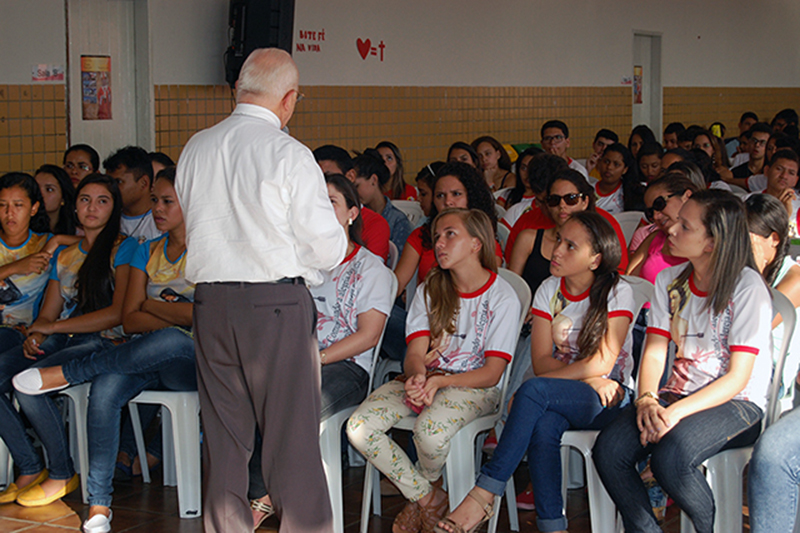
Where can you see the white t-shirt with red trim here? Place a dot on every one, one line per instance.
(612, 202)
(574, 165)
(565, 312)
(517, 210)
(487, 326)
(756, 183)
(359, 283)
(705, 341)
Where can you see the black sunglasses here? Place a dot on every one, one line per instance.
(554, 200)
(658, 205)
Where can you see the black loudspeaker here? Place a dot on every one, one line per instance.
(256, 24)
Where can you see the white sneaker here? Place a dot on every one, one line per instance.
(98, 523)
(30, 382)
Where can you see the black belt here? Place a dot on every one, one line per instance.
(292, 281)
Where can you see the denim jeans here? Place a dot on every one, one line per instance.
(394, 339)
(774, 476)
(543, 409)
(10, 338)
(163, 358)
(43, 412)
(344, 384)
(674, 461)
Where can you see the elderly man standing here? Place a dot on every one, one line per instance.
(259, 226)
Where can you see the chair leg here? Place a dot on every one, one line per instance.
(78, 408)
(602, 511)
(138, 436)
(168, 461)
(6, 466)
(330, 446)
(186, 437)
(367, 496)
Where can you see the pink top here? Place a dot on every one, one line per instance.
(656, 261)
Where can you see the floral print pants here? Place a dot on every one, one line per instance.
(452, 409)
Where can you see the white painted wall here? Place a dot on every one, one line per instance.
(31, 32)
(544, 43)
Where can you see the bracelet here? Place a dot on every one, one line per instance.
(648, 394)
(322, 357)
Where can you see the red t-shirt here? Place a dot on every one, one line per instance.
(410, 193)
(536, 219)
(427, 257)
(375, 233)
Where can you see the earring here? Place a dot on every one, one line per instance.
(349, 221)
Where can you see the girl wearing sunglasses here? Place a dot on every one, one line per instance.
(664, 199)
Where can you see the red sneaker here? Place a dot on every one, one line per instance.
(525, 501)
(490, 444)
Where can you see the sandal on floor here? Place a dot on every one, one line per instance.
(488, 512)
(268, 511)
(431, 514)
(408, 520)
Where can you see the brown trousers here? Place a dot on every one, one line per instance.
(258, 364)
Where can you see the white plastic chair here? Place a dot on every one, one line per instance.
(738, 191)
(411, 209)
(504, 192)
(500, 210)
(394, 256)
(724, 470)
(628, 221)
(460, 470)
(502, 235)
(602, 511)
(180, 426)
(330, 440)
(6, 461)
(78, 397)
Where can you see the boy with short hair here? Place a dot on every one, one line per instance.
(603, 139)
(671, 133)
(757, 148)
(555, 140)
(133, 172)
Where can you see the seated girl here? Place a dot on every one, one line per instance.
(461, 331)
(158, 309)
(580, 349)
(523, 194)
(396, 188)
(81, 314)
(717, 309)
(59, 198)
(495, 163)
(352, 305)
(618, 187)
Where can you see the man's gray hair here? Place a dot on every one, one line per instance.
(269, 72)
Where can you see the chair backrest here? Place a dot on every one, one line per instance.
(523, 292)
(502, 192)
(500, 210)
(377, 349)
(411, 209)
(394, 256)
(738, 191)
(780, 304)
(643, 292)
(502, 235)
(628, 220)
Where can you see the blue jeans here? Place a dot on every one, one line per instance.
(163, 358)
(543, 409)
(674, 461)
(344, 384)
(774, 476)
(43, 412)
(394, 339)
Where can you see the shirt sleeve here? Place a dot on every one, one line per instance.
(125, 252)
(417, 324)
(320, 242)
(621, 302)
(752, 317)
(658, 320)
(415, 240)
(375, 233)
(375, 291)
(541, 300)
(54, 263)
(503, 332)
(141, 256)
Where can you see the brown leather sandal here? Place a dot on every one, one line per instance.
(431, 514)
(488, 512)
(407, 520)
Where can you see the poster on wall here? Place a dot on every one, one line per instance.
(96, 87)
(637, 85)
(43, 72)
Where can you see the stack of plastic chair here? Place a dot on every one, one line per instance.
(180, 425)
(460, 469)
(724, 470)
(602, 511)
(330, 442)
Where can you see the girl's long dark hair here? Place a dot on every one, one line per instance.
(40, 222)
(348, 190)
(765, 216)
(518, 192)
(66, 213)
(95, 284)
(725, 221)
(604, 242)
(397, 183)
(632, 190)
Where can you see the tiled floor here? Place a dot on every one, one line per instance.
(143, 508)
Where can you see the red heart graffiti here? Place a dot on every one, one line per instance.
(363, 47)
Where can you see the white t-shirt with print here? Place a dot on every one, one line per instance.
(705, 341)
(565, 312)
(360, 283)
(757, 183)
(612, 202)
(487, 326)
(142, 228)
(517, 210)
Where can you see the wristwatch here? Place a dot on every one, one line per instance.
(648, 394)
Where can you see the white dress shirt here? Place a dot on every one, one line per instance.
(255, 204)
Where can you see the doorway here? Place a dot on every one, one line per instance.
(647, 93)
